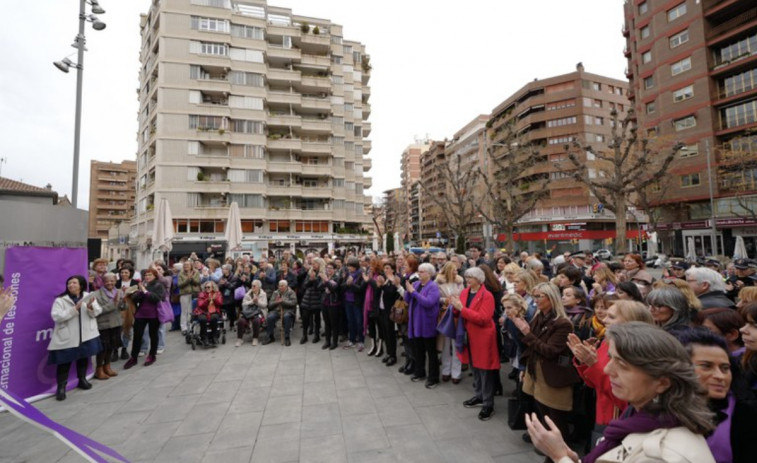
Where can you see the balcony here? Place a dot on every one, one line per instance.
(367, 164)
(324, 191)
(320, 125)
(286, 144)
(367, 182)
(277, 52)
(366, 128)
(276, 30)
(732, 24)
(319, 42)
(366, 111)
(315, 84)
(284, 76)
(283, 188)
(316, 169)
(367, 146)
(629, 73)
(284, 120)
(315, 61)
(318, 147)
(624, 30)
(211, 200)
(286, 98)
(627, 52)
(288, 167)
(318, 104)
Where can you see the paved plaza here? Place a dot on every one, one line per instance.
(270, 404)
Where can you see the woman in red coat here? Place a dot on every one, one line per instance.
(209, 310)
(476, 307)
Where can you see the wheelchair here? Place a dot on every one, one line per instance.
(194, 338)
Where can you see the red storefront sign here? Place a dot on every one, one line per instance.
(568, 235)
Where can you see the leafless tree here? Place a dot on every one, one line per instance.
(515, 185)
(614, 175)
(456, 199)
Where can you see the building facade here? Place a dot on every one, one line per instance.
(549, 114)
(692, 67)
(111, 197)
(249, 103)
(433, 185)
(410, 168)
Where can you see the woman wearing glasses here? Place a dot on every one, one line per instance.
(209, 311)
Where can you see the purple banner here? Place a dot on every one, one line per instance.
(36, 276)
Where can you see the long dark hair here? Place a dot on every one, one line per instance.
(490, 279)
(82, 285)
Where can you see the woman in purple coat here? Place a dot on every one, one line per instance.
(422, 298)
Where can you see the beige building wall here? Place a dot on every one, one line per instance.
(111, 196)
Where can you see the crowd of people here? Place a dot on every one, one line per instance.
(608, 363)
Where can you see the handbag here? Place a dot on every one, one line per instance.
(239, 293)
(165, 312)
(446, 326)
(399, 312)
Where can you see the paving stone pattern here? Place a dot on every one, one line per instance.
(270, 404)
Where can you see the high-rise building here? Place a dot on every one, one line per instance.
(410, 174)
(111, 196)
(549, 114)
(245, 102)
(692, 66)
(433, 188)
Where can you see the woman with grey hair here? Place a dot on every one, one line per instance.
(549, 375)
(252, 313)
(108, 324)
(422, 298)
(667, 416)
(476, 308)
(670, 309)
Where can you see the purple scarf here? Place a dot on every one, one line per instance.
(617, 430)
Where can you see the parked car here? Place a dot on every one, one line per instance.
(603, 254)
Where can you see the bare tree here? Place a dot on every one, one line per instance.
(378, 215)
(737, 173)
(515, 186)
(629, 164)
(456, 200)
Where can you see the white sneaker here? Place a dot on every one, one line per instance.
(349, 345)
(254, 341)
(161, 350)
(142, 354)
(238, 343)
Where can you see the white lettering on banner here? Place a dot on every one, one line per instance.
(8, 328)
(44, 335)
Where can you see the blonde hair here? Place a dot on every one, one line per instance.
(553, 294)
(449, 272)
(518, 301)
(633, 311)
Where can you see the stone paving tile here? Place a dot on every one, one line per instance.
(269, 404)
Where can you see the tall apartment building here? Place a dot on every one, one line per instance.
(111, 196)
(550, 113)
(692, 66)
(245, 102)
(433, 184)
(410, 173)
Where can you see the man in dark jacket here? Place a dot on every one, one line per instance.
(709, 287)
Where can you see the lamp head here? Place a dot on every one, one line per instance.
(64, 65)
(96, 23)
(96, 8)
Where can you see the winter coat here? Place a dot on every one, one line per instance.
(547, 343)
(208, 304)
(716, 299)
(673, 445)
(423, 310)
(250, 307)
(73, 327)
(110, 317)
(354, 292)
(147, 301)
(482, 333)
(595, 377)
(189, 283)
(286, 300)
(226, 287)
(331, 296)
(312, 293)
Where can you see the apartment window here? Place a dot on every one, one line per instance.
(562, 104)
(745, 113)
(646, 57)
(685, 123)
(247, 201)
(650, 107)
(561, 122)
(645, 31)
(560, 140)
(596, 86)
(690, 180)
(245, 102)
(649, 82)
(689, 151)
(680, 66)
(651, 132)
(247, 32)
(209, 24)
(740, 83)
(208, 48)
(643, 7)
(206, 122)
(213, 3)
(244, 54)
(676, 12)
(744, 47)
(245, 176)
(599, 138)
(279, 226)
(683, 94)
(679, 39)
(247, 151)
(310, 226)
(249, 79)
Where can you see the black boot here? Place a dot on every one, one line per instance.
(374, 347)
(114, 356)
(304, 339)
(84, 384)
(409, 368)
(60, 393)
(380, 350)
(125, 354)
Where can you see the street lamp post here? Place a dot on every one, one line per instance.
(64, 65)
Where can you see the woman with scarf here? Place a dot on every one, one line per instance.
(523, 282)
(127, 285)
(735, 418)
(591, 358)
(450, 287)
(108, 324)
(208, 311)
(578, 311)
(147, 298)
(75, 337)
(667, 417)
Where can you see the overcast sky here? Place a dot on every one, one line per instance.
(436, 66)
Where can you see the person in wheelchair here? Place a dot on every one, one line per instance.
(209, 310)
(283, 300)
(252, 313)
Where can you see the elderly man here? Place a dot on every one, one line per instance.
(709, 287)
(282, 300)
